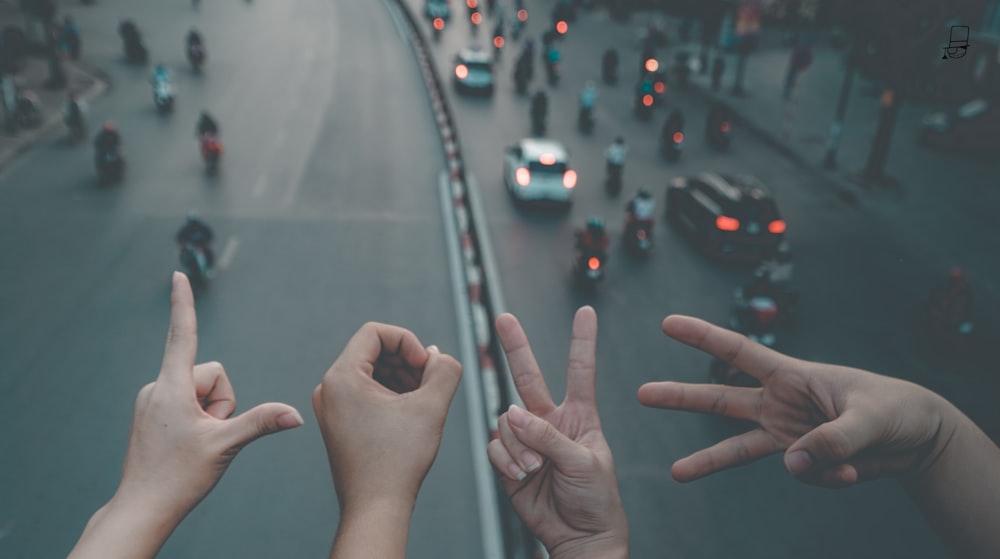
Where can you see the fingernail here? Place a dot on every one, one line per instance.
(517, 417)
(516, 472)
(290, 419)
(530, 461)
(433, 349)
(798, 462)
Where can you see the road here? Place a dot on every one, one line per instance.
(856, 271)
(326, 214)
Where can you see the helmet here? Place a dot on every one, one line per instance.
(619, 140)
(192, 216)
(595, 224)
(643, 193)
(109, 126)
(957, 273)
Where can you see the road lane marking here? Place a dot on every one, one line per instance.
(489, 519)
(228, 253)
(259, 187)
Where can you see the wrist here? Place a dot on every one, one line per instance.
(127, 529)
(374, 528)
(604, 546)
(947, 422)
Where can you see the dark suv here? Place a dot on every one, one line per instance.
(731, 216)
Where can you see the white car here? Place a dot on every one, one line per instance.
(473, 71)
(537, 169)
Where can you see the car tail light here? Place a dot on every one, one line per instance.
(777, 226)
(726, 223)
(562, 27)
(594, 263)
(724, 126)
(472, 4)
(522, 15)
(652, 65)
(569, 178)
(659, 87)
(678, 137)
(438, 23)
(522, 176)
(647, 100)
(476, 18)
(498, 42)
(461, 71)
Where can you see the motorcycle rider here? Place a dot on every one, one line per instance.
(196, 233)
(591, 240)
(108, 139)
(160, 74)
(129, 32)
(73, 112)
(588, 96)
(615, 157)
(70, 38)
(206, 125)
(195, 45)
(640, 211)
(674, 123)
(539, 109)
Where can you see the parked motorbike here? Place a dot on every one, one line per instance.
(718, 129)
(756, 319)
(110, 166)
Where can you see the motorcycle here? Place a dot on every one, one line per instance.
(163, 96)
(438, 25)
(110, 166)
(517, 27)
(613, 182)
(194, 259)
(718, 128)
(785, 296)
(552, 72)
(639, 236)
(585, 120)
(609, 67)
(644, 101)
(521, 78)
(196, 55)
(76, 124)
(588, 269)
(135, 51)
(211, 152)
(756, 319)
(672, 140)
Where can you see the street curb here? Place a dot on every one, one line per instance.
(102, 82)
(839, 186)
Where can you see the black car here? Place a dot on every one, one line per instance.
(731, 216)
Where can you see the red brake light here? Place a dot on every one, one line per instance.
(777, 226)
(472, 4)
(647, 100)
(569, 178)
(522, 15)
(438, 23)
(477, 18)
(593, 262)
(678, 137)
(724, 126)
(652, 65)
(562, 27)
(522, 176)
(726, 223)
(461, 71)
(659, 87)
(498, 42)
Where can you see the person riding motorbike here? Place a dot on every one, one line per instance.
(195, 47)
(108, 139)
(615, 157)
(593, 238)
(160, 74)
(552, 64)
(206, 125)
(196, 233)
(70, 38)
(194, 38)
(73, 112)
(673, 124)
(640, 211)
(129, 32)
(588, 96)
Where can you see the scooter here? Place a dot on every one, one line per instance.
(718, 129)
(194, 260)
(639, 237)
(672, 137)
(211, 152)
(585, 120)
(613, 182)
(438, 26)
(756, 320)
(588, 269)
(163, 96)
(644, 101)
(196, 55)
(110, 166)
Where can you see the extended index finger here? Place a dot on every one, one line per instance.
(523, 367)
(733, 348)
(182, 336)
(582, 369)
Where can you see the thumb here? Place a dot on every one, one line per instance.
(265, 419)
(831, 443)
(441, 376)
(541, 436)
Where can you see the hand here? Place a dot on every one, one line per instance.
(837, 425)
(381, 408)
(182, 440)
(557, 468)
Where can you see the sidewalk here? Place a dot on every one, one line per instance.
(88, 82)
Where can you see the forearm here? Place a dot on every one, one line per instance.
(604, 547)
(126, 531)
(373, 530)
(958, 490)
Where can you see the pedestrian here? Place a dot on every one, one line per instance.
(800, 59)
